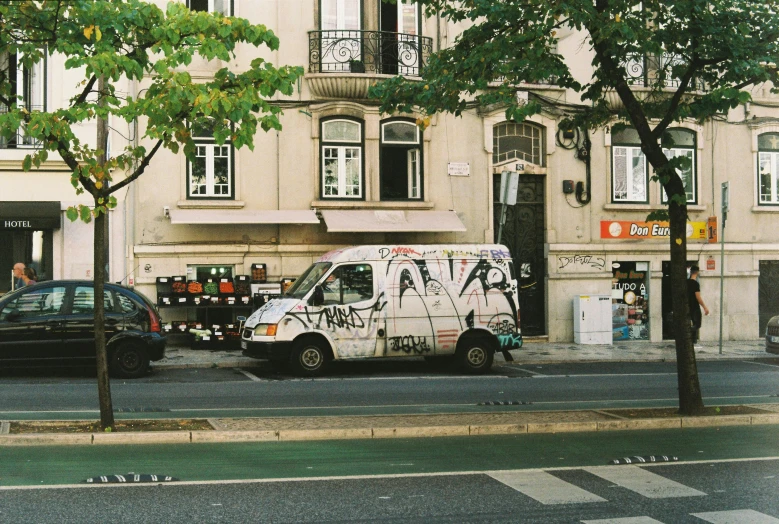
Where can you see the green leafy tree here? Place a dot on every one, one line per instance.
(713, 50)
(130, 41)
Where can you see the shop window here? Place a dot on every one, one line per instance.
(512, 141)
(401, 161)
(27, 89)
(630, 301)
(348, 284)
(628, 166)
(201, 273)
(684, 145)
(210, 175)
(768, 168)
(43, 302)
(211, 6)
(341, 153)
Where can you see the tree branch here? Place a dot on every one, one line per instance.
(139, 170)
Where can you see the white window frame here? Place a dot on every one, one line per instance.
(341, 9)
(691, 192)
(207, 149)
(341, 148)
(227, 9)
(772, 159)
(631, 153)
(413, 158)
(37, 100)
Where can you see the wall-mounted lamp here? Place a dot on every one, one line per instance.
(166, 211)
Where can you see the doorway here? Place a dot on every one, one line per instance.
(666, 299)
(34, 248)
(399, 26)
(767, 293)
(524, 235)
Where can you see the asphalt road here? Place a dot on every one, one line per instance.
(531, 478)
(411, 387)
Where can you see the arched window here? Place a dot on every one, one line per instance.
(341, 152)
(628, 167)
(684, 145)
(768, 168)
(401, 161)
(512, 141)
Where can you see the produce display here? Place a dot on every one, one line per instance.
(211, 288)
(242, 287)
(194, 287)
(179, 287)
(226, 288)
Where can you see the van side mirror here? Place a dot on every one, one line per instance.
(240, 318)
(317, 297)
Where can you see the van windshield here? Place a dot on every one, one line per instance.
(307, 280)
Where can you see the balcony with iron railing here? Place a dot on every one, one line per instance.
(344, 63)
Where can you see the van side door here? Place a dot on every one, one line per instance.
(351, 311)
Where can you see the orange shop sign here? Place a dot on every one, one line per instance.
(641, 230)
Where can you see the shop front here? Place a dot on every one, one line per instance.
(630, 301)
(26, 235)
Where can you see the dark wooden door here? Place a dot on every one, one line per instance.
(523, 234)
(767, 292)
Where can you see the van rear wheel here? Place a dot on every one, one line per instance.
(474, 355)
(309, 358)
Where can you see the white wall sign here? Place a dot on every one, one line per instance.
(459, 169)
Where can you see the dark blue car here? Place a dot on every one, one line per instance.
(53, 321)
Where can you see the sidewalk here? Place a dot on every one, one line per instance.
(534, 351)
(178, 355)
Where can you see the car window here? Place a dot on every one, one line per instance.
(348, 284)
(84, 300)
(37, 303)
(125, 304)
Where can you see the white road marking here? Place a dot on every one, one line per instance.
(544, 487)
(761, 364)
(626, 520)
(252, 376)
(643, 482)
(737, 516)
(534, 373)
(363, 477)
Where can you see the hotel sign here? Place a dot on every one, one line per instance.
(29, 215)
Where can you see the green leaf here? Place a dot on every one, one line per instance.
(27, 163)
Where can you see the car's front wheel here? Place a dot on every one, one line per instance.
(130, 360)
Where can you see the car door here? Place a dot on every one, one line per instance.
(30, 323)
(350, 311)
(79, 323)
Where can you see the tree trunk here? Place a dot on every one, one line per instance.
(100, 243)
(690, 399)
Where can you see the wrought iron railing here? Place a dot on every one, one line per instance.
(20, 139)
(378, 52)
(644, 70)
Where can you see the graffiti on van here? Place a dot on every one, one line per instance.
(409, 344)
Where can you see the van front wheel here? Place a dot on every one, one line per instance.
(474, 356)
(308, 358)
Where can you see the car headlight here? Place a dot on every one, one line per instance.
(265, 330)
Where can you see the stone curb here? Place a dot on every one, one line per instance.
(290, 435)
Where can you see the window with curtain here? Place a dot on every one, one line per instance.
(684, 145)
(768, 168)
(628, 168)
(341, 151)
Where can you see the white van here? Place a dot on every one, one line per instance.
(458, 301)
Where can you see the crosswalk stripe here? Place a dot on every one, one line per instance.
(737, 516)
(626, 520)
(544, 487)
(643, 482)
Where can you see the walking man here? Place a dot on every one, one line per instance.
(696, 302)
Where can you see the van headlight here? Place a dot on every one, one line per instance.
(265, 330)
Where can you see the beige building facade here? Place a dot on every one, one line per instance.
(340, 173)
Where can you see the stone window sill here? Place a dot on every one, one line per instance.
(210, 204)
(361, 204)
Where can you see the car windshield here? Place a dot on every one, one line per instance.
(307, 280)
